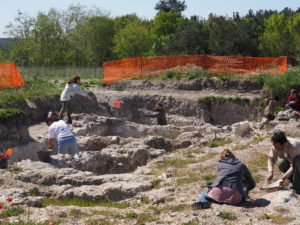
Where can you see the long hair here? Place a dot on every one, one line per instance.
(74, 79)
(226, 153)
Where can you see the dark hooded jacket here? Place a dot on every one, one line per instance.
(234, 174)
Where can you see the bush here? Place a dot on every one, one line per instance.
(197, 73)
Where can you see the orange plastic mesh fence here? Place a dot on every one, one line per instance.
(10, 76)
(225, 65)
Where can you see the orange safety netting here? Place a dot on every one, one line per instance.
(10, 76)
(226, 65)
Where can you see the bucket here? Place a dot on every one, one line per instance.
(44, 155)
(3, 163)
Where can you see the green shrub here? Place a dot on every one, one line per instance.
(197, 73)
(12, 211)
(227, 215)
(8, 113)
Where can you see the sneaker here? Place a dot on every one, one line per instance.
(201, 205)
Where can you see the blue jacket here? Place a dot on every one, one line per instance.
(234, 174)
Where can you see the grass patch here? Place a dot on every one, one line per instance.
(99, 222)
(277, 219)
(258, 139)
(28, 223)
(156, 182)
(189, 178)
(175, 208)
(208, 156)
(12, 211)
(77, 213)
(83, 203)
(258, 177)
(218, 142)
(103, 212)
(177, 163)
(34, 88)
(193, 74)
(240, 147)
(227, 215)
(8, 113)
(258, 162)
(14, 169)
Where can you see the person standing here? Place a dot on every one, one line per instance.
(71, 88)
(288, 150)
(59, 130)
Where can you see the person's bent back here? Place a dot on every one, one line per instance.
(232, 185)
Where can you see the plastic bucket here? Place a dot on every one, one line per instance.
(3, 163)
(44, 155)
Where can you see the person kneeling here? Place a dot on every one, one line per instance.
(232, 185)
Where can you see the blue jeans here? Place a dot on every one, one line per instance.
(203, 197)
(67, 145)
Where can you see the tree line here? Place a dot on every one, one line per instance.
(87, 37)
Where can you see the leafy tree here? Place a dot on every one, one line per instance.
(191, 37)
(22, 27)
(281, 36)
(132, 41)
(163, 28)
(170, 5)
(99, 32)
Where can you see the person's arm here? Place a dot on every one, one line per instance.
(79, 91)
(51, 142)
(272, 157)
(152, 115)
(288, 173)
(249, 179)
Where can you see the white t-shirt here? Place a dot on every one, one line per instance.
(59, 129)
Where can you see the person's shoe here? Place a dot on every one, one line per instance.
(201, 205)
(69, 121)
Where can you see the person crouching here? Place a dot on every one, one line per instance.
(59, 130)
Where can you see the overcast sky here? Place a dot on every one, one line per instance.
(143, 8)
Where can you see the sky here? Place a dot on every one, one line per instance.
(143, 8)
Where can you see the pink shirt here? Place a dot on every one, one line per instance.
(225, 194)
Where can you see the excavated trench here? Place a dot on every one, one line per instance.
(118, 140)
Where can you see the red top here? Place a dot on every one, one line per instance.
(297, 101)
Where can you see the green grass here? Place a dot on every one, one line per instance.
(28, 223)
(156, 182)
(12, 211)
(193, 74)
(177, 163)
(8, 113)
(277, 219)
(33, 89)
(98, 222)
(219, 142)
(227, 215)
(189, 178)
(83, 203)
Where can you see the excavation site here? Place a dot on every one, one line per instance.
(131, 170)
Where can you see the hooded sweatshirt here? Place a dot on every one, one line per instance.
(231, 172)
